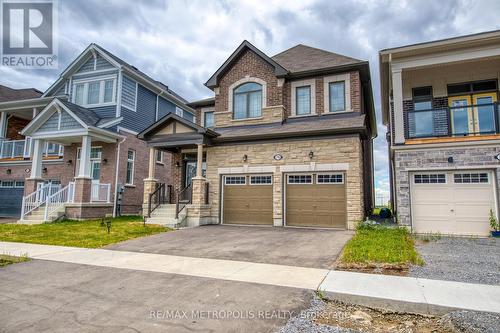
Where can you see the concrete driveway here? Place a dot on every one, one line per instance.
(283, 246)
(47, 296)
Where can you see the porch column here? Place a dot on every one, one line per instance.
(31, 183)
(150, 182)
(199, 181)
(3, 125)
(199, 161)
(397, 98)
(83, 181)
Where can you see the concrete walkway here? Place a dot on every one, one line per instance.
(398, 293)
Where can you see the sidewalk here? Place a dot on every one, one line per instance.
(397, 293)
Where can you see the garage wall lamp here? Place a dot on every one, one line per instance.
(9, 171)
(69, 162)
(44, 170)
(311, 155)
(245, 158)
(105, 161)
(450, 159)
(178, 164)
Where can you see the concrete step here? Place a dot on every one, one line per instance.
(30, 221)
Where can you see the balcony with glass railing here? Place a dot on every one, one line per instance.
(22, 149)
(458, 121)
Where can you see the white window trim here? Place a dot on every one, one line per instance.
(226, 177)
(203, 111)
(266, 184)
(326, 92)
(297, 84)
(471, 183)
(17, 186)
(299, 174)
(429, 173)
(161, 157)
(101, 80)
(240, 82)
(133, 168)
(7, 181)
(332, 174)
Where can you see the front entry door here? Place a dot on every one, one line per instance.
(190, 172)
(473, 114)
(484, 112)
(461, 115)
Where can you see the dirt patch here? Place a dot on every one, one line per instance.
(363, 319)
(374, 268)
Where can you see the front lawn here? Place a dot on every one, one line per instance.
(89, 233)
(381, 245)
(6, 259)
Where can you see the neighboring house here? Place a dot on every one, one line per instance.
(79, 138)
(285, 141)
(440, 104)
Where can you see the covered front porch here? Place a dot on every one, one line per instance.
(189, 191)
(84, 195)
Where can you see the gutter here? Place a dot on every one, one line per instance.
(28, 103)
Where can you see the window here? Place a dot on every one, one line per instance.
(336, 178)
(159, 156)
(235, 180)
(337, 96)
(130, 167)
(439, 178)
(247, 101)
(472, 87)
(95, 92)
(261, 180)
(422, 98)
(95, 161)
(7, 184)
(299, 179)
(303, 100)
(108, 91)
(208, 119)
(470, 178)
(19, 184)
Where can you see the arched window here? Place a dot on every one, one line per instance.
(247, 101)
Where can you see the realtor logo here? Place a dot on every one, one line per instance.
(29, 33)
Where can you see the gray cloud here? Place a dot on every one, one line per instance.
(183, 42)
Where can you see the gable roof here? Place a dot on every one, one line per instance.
(302, 58)
(89, 117)
(174, 117)
(121, 64)
(10, 94)
(246, 45)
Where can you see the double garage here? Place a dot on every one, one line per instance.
(453, 202)
(315, 200)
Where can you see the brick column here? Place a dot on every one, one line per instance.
(83, 189)
(149, 187)
(31, 184)
(176, 169)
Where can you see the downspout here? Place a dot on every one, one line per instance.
(117, 168)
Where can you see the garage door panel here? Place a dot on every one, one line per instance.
(452, 208)
(315, 205)
(11, 201)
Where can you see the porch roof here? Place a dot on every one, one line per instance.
(64, 122)
(173, 132)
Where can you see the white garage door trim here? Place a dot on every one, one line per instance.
(453, 184)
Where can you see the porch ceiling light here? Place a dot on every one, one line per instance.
(311, 155)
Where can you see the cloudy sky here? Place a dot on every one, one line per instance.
(182, 43)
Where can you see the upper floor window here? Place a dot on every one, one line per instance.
(422, 98)
(159, 156)
(95, 92)
(208, 119)
(303, 100)
(247, 101)
(129, 179)
(337, 96)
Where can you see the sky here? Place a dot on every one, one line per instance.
(182, 43)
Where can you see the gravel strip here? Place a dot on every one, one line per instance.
(472, 322)
(472, 260)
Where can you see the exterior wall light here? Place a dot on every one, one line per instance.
(178, 164)
(9, 171)
(311, 155)
(69, 162)
(245, 158)
(44, 170)
(105, 161)
(450, 159)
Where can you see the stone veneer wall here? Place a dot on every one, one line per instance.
(437, 158)
(338, 150)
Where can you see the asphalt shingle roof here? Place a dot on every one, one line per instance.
(9, 94)
(88, 116)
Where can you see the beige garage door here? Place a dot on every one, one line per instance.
(452, 202)
(248, 199)
(315, 200)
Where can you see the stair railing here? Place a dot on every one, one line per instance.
(34, 200)
(183, 199)
(57, 200)
(161, 195)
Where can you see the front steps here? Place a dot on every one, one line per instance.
(165, 215)
(37, 216)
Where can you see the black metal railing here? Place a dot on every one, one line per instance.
(183, 199)
(481, 119)
(161, 195)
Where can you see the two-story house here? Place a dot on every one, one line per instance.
(73, 150)
(285, 141)
(440, 104)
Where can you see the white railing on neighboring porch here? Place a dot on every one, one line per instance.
(101, 192)
(57, 200)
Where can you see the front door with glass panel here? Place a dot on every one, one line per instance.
(484, 113)
(190, 172)
(461, 115)
(473, 114)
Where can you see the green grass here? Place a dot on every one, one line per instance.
(6, 259)
(89, 233)
(378, 244)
